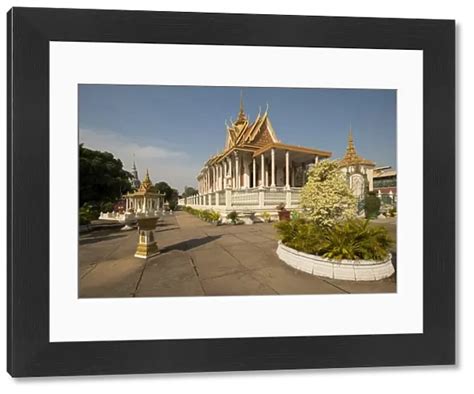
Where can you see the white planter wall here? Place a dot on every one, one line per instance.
(357, 270)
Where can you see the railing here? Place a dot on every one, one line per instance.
(255, 198)
(273, 198)
(244, 198)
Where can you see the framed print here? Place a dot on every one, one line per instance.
(223, 192)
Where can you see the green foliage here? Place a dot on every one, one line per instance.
(189, 191)
(300, 234)
(266, 217)
(295, 215)
(171, 195)
(107, 207)
(206, 214)
(353, 239)
(102, 178)
(233, 216)
(326, 196)
(392, 212)
(214, 216)
(371, 205)
(87, 213)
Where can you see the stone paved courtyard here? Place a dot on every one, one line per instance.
(198, 259)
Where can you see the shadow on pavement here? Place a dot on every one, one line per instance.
(190, 244)
(86, 241)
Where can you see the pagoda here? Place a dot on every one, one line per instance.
(359, 171)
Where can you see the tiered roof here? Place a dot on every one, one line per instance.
(256, 137)
(351, 157)
(146, 188)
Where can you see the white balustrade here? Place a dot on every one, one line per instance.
(254, 198)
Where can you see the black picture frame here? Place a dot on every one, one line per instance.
(30, 30)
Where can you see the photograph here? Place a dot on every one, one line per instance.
(213, 194)
(236, 191)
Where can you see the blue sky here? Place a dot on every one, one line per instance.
(172, 130)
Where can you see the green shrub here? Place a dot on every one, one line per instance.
(232, 216)
(353, 239)
(204, 214)
(371, 206)
(304, 236)
(87, 213)
(295, 215)
(392, 212)
(214, 216)
(266, 217)
(107, 207)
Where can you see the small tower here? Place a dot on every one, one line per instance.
(358, 171)
(135, 179)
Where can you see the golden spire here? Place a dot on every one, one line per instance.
(351, 157)
(350, 150)
(241, 117)
(146, 184)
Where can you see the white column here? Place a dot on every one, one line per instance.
(237, 171)
(316, 160)
(246, 174)
(213, 178)
(254, 174)
(230, 173)
(287, 169)
(262, 170)
(273, 167)
(222, 175)
(267, 177)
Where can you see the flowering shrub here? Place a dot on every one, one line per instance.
(326, 197)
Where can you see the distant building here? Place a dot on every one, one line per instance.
(385, 183)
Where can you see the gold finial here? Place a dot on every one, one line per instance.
(350, 150)
(146, 184)
(241, 117)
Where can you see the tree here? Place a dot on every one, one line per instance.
(164, 188)
(173, 200)
(189, 191)
(326, 197)
(102, 178)
(171, 195)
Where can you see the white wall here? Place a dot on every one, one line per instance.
(382, 380)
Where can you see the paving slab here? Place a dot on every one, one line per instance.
(113, 278)
(285, 280)
(214, 262)
(239, 283)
